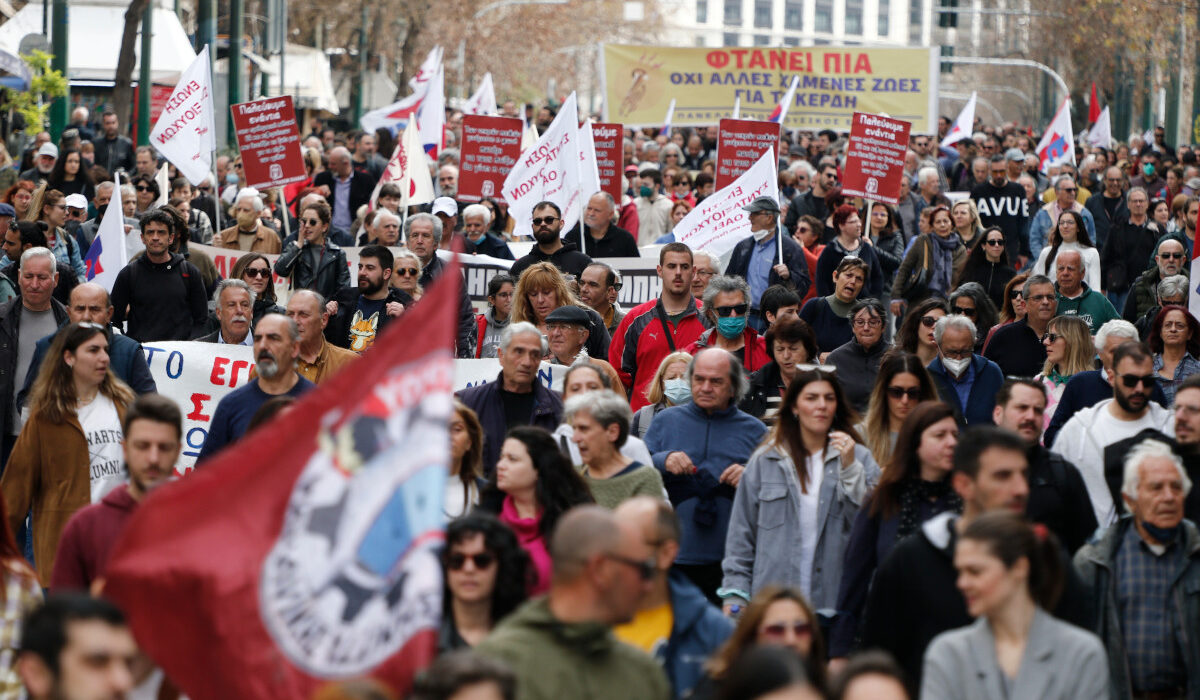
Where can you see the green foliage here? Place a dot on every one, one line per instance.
(47, 84)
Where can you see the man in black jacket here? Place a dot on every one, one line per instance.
(1108, 206)
(812, 202)
(605, 239)
(360, 313)
(160, 294)
(756, 259)
(547, 231)
(1002, 203)
(113, 151)
(422, 234)
(341, 176)
(1058, 497)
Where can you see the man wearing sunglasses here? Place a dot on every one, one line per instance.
(547, 231)
(561, 645)
(1169, 260)
(1065, 191)
(1097, 438)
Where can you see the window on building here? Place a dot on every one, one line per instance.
(730, 38)
(762, 40)
(701, 11)
(854, 16)
(883, 25)
(733, 13)
(791, 41)
(762, 14)
(915, 21)
(823, 18)
(793, 15)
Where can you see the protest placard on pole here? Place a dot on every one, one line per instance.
(740, 142)
(718, 223)
(609, 140)
(490, 146)
(269, 142)
(875, 158)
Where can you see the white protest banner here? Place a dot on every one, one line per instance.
(197, 376)
(718, 223)
(589, 170)
(396, 115)
(484, 100)
(185, 133)
(547, 171)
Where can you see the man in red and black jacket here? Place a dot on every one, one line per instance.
(656, 328)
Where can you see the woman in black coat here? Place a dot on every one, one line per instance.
(317, 264)
(987, 264)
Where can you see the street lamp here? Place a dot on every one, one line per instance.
(462, 43)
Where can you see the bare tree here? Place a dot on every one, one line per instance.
(122, 89)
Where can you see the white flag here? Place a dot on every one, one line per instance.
(1101, 132)
(185, 132)
(396, 115)
(484, 99)
(409, 169)
(589, 170)
(433, 61)
(431, 115)
(1058, 143)
(107, 255)
(547, 171)
(164, 187)
(963, 125)
(718, 223)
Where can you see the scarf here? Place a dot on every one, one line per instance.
(943, 261)
(914, 493)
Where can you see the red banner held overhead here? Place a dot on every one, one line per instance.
(269, 142)
(490, 146)
(875, 158)
(740, 143)
(610, 156)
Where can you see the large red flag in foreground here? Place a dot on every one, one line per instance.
(308, 550)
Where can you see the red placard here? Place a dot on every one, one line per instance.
(875, 158)
(490, 146)
(159, 94)
(610, 156)
(269, 142)
(740, 143)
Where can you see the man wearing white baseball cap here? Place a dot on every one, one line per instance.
(43, 164)
(446, 210)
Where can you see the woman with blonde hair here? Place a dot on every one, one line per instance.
(1069, 351)
(68, 454)
(668, 388)
(406, 273)
(542, 289)
(965, 215)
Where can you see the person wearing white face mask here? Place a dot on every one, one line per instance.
(966, 381)
(756, 259)
(669, 387)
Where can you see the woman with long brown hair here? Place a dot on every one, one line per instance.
(902, 384)
(814, 459)
(69, 452)
(49, 207)
(915, 486)
(466, 462)
(542, 289)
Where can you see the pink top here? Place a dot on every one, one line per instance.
(529, 534)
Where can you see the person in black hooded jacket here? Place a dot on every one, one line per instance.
(160, 295)
(988, 264)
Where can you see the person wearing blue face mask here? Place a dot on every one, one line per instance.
(727, 308)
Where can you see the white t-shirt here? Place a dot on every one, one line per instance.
(1105, 431)
(102, 427)
(809, 510)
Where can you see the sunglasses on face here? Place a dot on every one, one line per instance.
(899, 392)
(964, 311)
(483, 560)
(1050, 337)
(544, 219)
(779, 629)
(143, 188)
(1171, 256)
(1041, 297)
(997, 242)
(1070, 190)
(311, 222)
(407, 271)
(726, 311)
(929, 321)
(257, 272)
(645, 569)
(1129, 381)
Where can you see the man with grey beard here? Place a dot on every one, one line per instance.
(234, 301)
(276, 347)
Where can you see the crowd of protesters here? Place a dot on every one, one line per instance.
(943, 449)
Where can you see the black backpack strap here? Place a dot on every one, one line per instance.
(662, 318)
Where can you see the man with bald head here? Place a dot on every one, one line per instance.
(89, 303)
(343, 187)
(605, 239)
(1170, 259)
(318, 359)
(562, 645)
(1075, 298)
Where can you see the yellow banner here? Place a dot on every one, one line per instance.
(834, 83)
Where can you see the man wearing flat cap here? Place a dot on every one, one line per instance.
(567, 331)
(756, 258)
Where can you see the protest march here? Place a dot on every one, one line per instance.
(728, 372)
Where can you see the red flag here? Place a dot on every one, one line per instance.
(308, 551)
(1093, 106)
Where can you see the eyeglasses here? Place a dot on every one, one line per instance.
(899, 392)
(963, 311)
(1050, 337)
(704, 273)
(1132, 380)
(958, 354)
(998, 242)
(646, 569)
(778, 629)
(482, 560)
(929, 321)
(727, 311)
(238, 166)
(1171, 256)
(311, 222)
(257, 272)
(867, 323)
(1042, 297)
(408, 271)
(544, 219)
(1070, 190)
(143, 188)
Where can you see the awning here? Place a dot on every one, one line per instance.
(94, 40)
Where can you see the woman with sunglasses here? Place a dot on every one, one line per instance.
(69, 452)
(1175, 341)
(902, 383)
(406, 275)
(255, 270)
(1010, 574)
(971, 301)
(776, 616)
(808, 234)
(310, 260)
(848, 243)
(486, 576)
(1070, 233)
(798, 493)
(988, 264)
(916, 332)
(1014, 308)
(857, 362)
(1069, 351)
(915, 486)
(533, 486)
(727, 306)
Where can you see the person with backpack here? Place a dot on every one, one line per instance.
(160, 295)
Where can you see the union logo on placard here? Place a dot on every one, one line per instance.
(355, 572)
